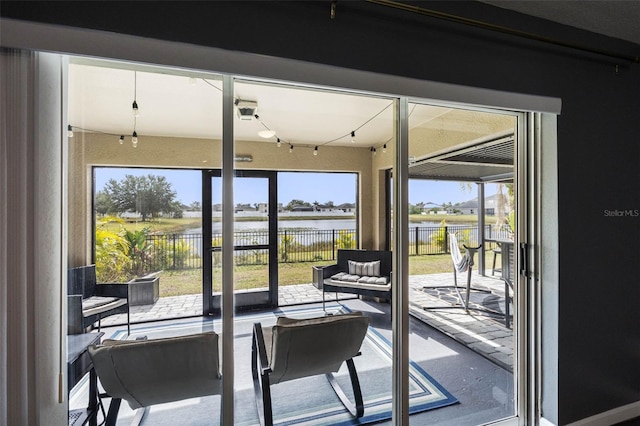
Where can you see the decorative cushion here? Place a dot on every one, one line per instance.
(373, 280)
(96, 301)
(371, 269)
(342, 276)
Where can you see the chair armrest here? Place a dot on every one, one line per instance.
(322, 272)
(258, 341)
(329, 270)
(119, 290)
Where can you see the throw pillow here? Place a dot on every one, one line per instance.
(371, 269)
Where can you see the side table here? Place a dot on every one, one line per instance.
(78, 365)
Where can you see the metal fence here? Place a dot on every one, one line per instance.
(184, 251)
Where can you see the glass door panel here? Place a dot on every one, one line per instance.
(255, 272)
(460, 163)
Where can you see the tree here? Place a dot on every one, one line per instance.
(103, 204)
(294, 203)
(195, 206)
(148, 195)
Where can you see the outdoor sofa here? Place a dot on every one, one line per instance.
(361, 272)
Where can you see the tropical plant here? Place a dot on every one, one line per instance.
(138, 250)
(112, 263)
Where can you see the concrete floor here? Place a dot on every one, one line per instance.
(484, 388)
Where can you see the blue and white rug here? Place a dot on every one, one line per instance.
(307, 401)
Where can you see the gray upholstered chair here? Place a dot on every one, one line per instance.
(294, 349)
(149, 372)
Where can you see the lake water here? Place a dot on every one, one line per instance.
(301, 224)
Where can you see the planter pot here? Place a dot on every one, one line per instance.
(144, 291)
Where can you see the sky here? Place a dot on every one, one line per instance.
(321, 187)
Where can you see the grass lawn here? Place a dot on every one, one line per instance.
(189, 281)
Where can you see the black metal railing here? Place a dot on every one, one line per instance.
(184, 251)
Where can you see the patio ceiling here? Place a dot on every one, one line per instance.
(488, 160)
(188, 104)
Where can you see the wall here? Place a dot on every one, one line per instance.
(597, 152)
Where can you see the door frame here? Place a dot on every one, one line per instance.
(211, 304)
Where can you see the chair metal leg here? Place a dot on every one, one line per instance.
(260, 373)
(466, 303)
(112, 415)
(356, 408)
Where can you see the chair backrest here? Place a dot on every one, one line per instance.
(302, 348)
(82, 280)
(156, 371)
(384, 256)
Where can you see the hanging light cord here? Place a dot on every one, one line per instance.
(279, 139)
(357, 128)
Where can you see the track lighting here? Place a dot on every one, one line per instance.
(134, 139)
(315, 150)
(69, 131)
(121, 140)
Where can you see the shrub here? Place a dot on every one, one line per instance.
(346, 239)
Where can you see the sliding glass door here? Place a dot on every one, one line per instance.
(276, 127)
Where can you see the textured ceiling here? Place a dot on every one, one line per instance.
(613, 18)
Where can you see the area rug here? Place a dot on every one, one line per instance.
(489, 305)
(307, 401)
